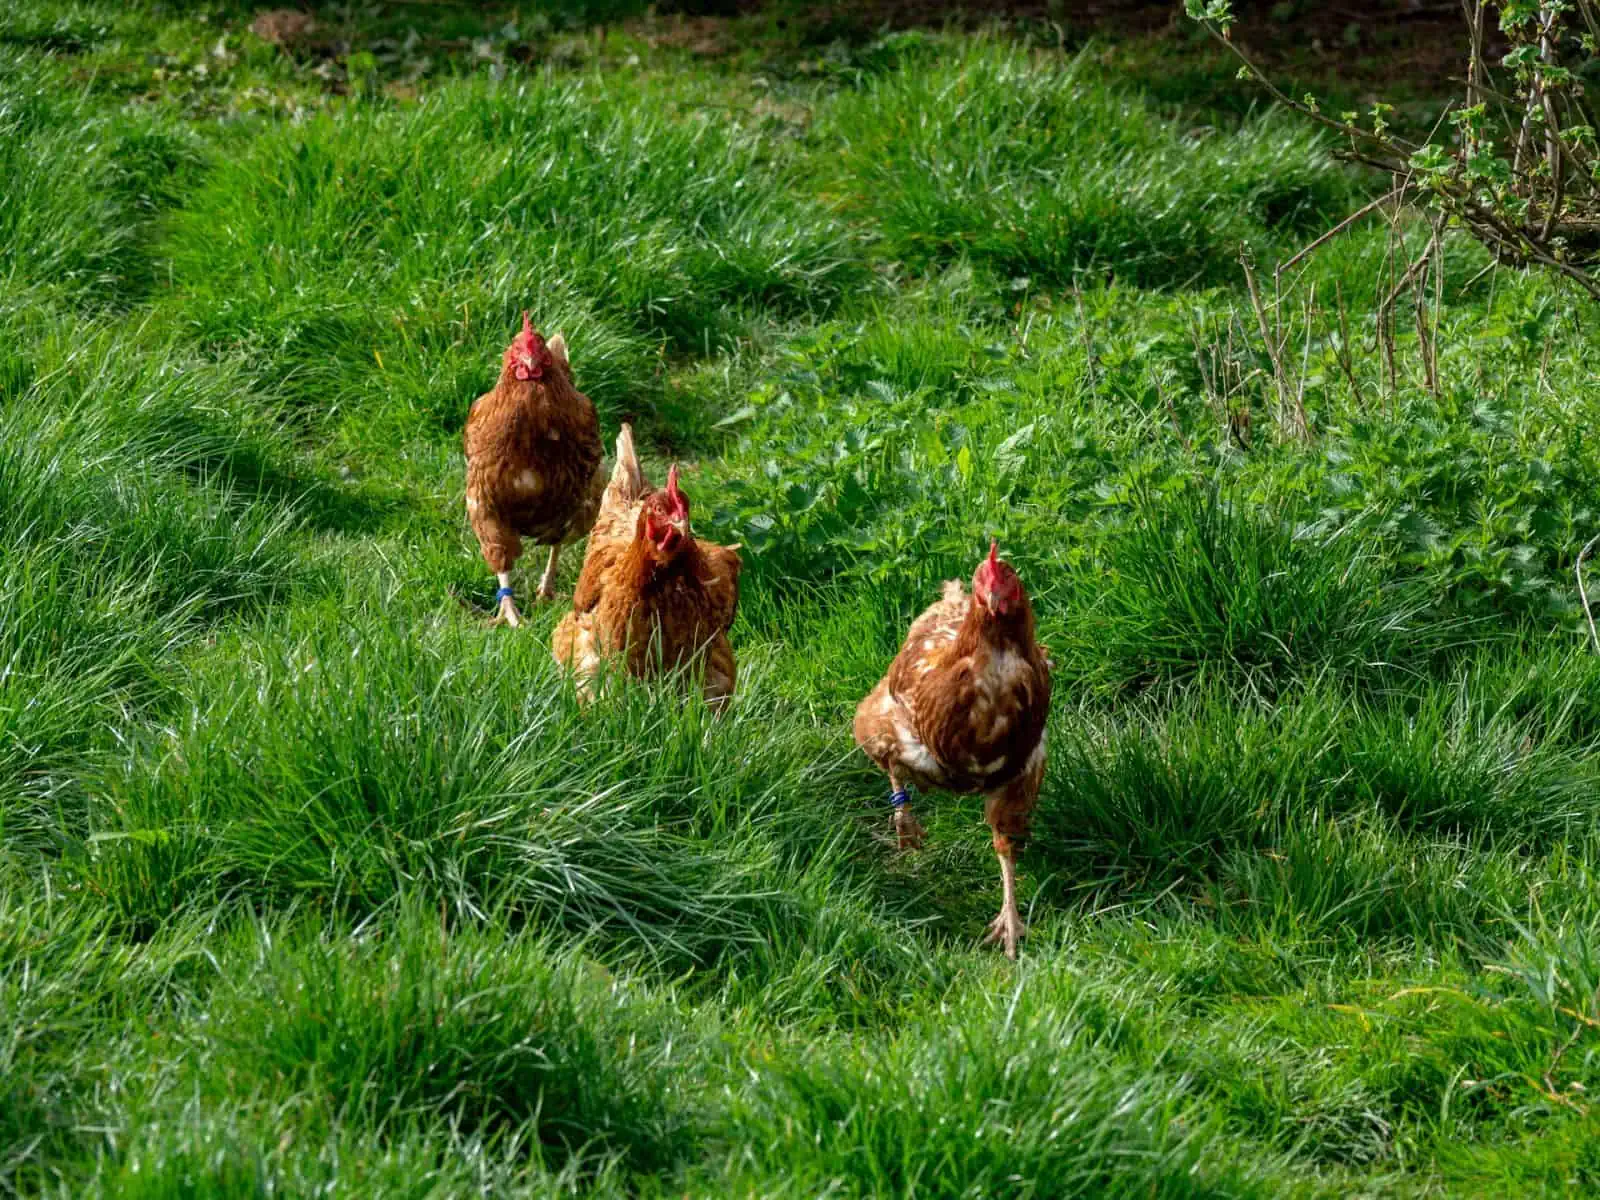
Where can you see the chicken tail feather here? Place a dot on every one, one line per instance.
(627, 479)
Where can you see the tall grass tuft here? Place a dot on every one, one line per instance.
(328, 250)
(1027, 165)
(1207, 582)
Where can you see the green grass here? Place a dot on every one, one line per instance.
(310, 881)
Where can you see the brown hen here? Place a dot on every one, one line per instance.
(534, 469)
(651, 594)
(963, 708)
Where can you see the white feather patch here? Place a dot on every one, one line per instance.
(914, 754)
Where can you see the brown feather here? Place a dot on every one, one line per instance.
(534, 469)
(654, 611)
(963, 706)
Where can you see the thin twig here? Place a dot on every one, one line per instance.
(1088, 337)
(1396, 194)
(1425, 346)
(1344, 127)
(1274, 350)
(1172, 412)
(1591, 18)
(1346, 360)
(1406, 279)
(1438, 282)
(1208, 379)
(1552, 131)
(1302, 422)
(1467, 286)
(1583, 592)
(1386, 313)
(1473, 11)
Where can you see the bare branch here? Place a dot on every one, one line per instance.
(1344, 127)
(1365, 209)
(1274, 347)
(1346, 359)
(1547, 212)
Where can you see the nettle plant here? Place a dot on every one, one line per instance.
(1514, 160)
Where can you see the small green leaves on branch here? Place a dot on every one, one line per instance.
(1522, 175)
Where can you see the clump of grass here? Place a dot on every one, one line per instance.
(1029, 166)
(324, 251)
(670, 836)
(228, 1150)
(82, 190)
(414, 1020)
(79, 999)
(1025, 1090)
(1359, 879)
(1451, 763)
(140, 456)
(133, 516)
(1203, 583)
(1163, 794)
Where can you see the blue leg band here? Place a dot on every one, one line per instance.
(504, 593)
(900, 799)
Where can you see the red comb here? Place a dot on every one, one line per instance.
(679, 502)
(529, 338)
(530, 345)
(994, 549)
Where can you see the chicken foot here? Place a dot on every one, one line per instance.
(908, 830)
(507, 614)
(1007, 928)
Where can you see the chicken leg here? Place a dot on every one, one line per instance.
(907, 829)
(507, 614)
(1009, 812)
(547, 582)
(1007, 928)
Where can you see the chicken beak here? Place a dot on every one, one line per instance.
(992, 603)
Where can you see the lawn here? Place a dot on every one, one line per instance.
(313, 882)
